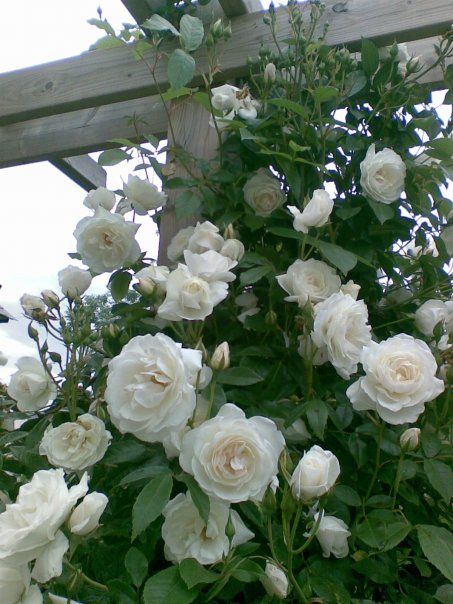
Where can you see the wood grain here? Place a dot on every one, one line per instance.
(83, 170)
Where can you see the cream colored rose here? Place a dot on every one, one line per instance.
(315, 474)
(179, 243)
(399, 379)
(151, 277)
(332, 535)
(100, 197)
(263, 193)
(210, 266)
(275, 581)
(33, 306)
(382, 175)
(315, 214)
(205, 237)
(190, 297)
(231, 457)
(341, 327)
(149, 387)
(76, 445)
(233, 249)
(106, 242)
(309, 281)
(186, 535)
(30, 524)
(429, 314)
(143, 195)
(85, 518)
(74, 281)
(31, 385)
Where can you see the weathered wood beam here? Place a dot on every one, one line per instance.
(234, 8)
(83, 170)
(102, 77)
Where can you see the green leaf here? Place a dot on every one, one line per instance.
(247, 571)
(382, 211)
(192, 32)
(437, 545)
(102, 24)
(158, 23)
(441, 148)
(383, 530)
(199, 497)
(180, 68)
(338, 256)
(252, 275)
(167, 587)
(324, 93)
(119, 285)
(176, 93)
(291, 106)
(150, 503)
(136, 565)
(370, 57)
(375, 570)
(444, 594)
(317, 414)
(111, 157)
(187, 204)
(347, 495)
(440, 477)
(193, 573)
(238, 376)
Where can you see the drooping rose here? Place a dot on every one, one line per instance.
(315, 214)
(332, 535)
(31, 385)
(33, 306)
(382, 175)
(275, 581)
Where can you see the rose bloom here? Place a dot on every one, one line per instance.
(233, 249)
(429, 314)
(143, 195)
(85, 518)
(275, 581)
(31, 523)
(341, 326)
(315, 474)
(205, 237)
(210, 266)
(332, 535)
(106, 242)
(309, 281)
(76, 445)
(15, 585)
(31, 385)
(150, 387)
(190, 297)
(74, 281)
(399, 379)
(179, 243)
(263, 193)
(49, 563)
(100, 197)
(382, 175)
(33, 306)
(231, 457)
(315, 214)
(151, 277)
(186, 535)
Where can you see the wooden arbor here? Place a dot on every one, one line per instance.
(67, 108)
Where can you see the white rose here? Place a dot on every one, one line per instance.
(210, 266)
(248, 109)
(409, 439)
(143, 195)
(32, 522)
(429, 314)
(382, 175)
(3, 359)
(447, 238)
(231, 457)
(315, 214)
(205, 237)
(31, 385)
(275, 581)
(341, 325)
(50, 298)
(14, 583)
(49, 563)
(100, 197)
(332, 535)
(309, 281)
(263, 193)
(149, 391)
(186, 535)
(33, 306)
(190, 297)
(179, 243)
(221, 357)
(350, 288)
(310, 352)
(85, 518)
(224, 98)
(399, 379)
(233, 248)
(315, 474)
(59, 600)
(106, 242)
(74, 281)
(76, 445)
(152, 276)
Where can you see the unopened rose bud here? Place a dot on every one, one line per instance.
(275, 581)
(233, 249)
(229, 232)
(230, 529)
(271, 318)
(220, 360)
(33, 307)
(315, 474)
(270, 72)
(51, 299)
(33, 333)
(410, 439)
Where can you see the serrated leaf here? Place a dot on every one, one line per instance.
(193, 573)
(338, 256)
(158, 23)
(192, 32)
(440, 477)
(437, 545)
(370, 57)
(180, 68)
(238, 376)
(167, 587)
(199, 497)
(111, 157)
(150, 503)
(136, 565)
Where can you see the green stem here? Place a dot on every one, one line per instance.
(87, 580)
(397, 480)
(377, 462)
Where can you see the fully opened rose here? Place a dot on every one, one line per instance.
(309, 281)
(231, 457)
(382, 175)
(263, 193)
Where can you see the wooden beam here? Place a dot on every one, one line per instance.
(103, 77)
(234, 8)
(83, 170)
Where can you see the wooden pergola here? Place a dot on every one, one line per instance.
(63, 110)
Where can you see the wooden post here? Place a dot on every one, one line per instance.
(192, 132)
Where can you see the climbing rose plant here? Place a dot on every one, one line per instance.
(267, 415)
